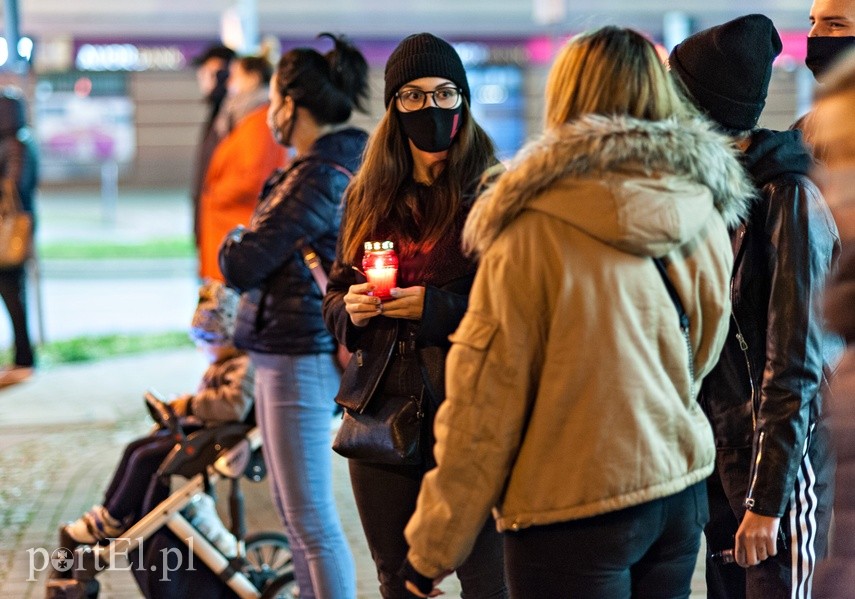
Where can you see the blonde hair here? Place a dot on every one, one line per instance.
(611, 71)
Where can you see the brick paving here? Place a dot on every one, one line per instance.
(61, 435)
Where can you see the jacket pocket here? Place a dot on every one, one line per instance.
(475, 331)
(472, 340)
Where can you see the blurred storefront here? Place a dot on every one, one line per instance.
(133, 107)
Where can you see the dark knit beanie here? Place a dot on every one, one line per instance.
(424, 55)
(727, 69)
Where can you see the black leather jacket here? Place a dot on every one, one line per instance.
(280, 311)
(765, 393)
(448, 280)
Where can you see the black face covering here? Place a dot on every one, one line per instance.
(822, 51)
(432, 129)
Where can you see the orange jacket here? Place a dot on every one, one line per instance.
(241, 163)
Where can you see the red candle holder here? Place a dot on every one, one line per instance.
(380, 264)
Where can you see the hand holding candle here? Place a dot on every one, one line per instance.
(380, 264)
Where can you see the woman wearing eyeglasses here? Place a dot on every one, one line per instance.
(418, 178)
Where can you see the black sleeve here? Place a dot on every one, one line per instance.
(300, 210)
(443, 310)
(336, 318)
(804, 244)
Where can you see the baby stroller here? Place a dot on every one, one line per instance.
(162, 544)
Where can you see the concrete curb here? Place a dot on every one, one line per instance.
(129, 268)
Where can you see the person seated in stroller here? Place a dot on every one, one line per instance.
(225, 394)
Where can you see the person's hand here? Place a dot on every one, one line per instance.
(414, 590)
(406, 302)
(360, 306)
(756, 539)
(419, 585)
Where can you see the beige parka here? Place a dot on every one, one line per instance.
(568, 383)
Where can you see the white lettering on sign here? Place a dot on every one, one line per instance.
(128, 57)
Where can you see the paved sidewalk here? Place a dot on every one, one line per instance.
(60, 437)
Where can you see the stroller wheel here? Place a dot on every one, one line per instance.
(268, 561)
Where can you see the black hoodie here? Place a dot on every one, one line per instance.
(776, 153)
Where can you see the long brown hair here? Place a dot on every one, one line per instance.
(377, 195)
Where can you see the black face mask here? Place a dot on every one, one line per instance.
(822, 51)
(431, 129)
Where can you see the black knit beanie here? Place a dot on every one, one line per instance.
(727, 69)
(423, 55)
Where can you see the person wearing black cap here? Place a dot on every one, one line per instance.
(212, 73)
(421, 169)
(770, 493)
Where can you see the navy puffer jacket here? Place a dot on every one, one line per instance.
(280, 309)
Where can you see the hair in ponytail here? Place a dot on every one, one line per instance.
(329, 86)
(348, 70)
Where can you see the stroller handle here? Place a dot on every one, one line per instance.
(163, 414)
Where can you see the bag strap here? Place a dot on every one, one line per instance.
(342, 169)
(313, 262)
(11, 201)
(682, 317)
(310, 256)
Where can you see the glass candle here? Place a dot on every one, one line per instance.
(380, 264)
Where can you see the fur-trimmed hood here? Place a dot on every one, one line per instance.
(639, 168)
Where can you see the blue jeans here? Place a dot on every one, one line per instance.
(647, 551)
(294, 406)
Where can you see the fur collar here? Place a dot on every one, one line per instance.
(601, 146)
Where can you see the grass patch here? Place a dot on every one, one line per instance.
(87, 349)
(178, 247)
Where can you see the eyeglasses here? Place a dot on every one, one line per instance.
(416, 99)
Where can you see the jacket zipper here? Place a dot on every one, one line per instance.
(684, 327)
(743, 344)
(755, 409)
(749, 498)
